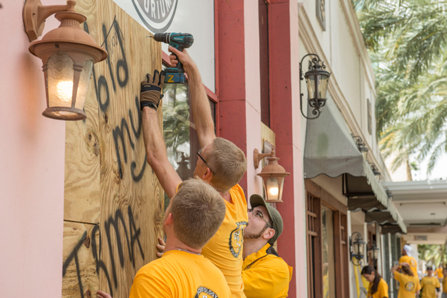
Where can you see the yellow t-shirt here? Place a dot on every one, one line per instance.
(429, 285)
(225, 248)
(444, 285)
(179, 274)
(439, 273)
(265, 275)
(382, 290)
(411, 261)
(408, 285)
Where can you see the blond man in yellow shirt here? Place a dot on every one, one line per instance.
(265, 274)
(220, 163)
(430, 284)
(193, 216)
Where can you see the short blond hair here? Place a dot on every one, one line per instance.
(228, 163)
(198, 211)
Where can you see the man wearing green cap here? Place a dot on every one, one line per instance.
(264, 273)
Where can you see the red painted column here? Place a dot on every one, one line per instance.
(281, 121)
(230, 73)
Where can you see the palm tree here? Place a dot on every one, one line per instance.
(432, 253)
(407, 43)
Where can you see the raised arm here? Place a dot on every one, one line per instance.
(200, 107)
(153, 138)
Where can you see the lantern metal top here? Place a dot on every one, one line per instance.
(273, 168)
(68, 37)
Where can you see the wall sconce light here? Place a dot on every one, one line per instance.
(356, 244)
(317, 82)
(68, 54)
(360, 144)
(375, 170)
(272, 174)
(183, 170)
(374, 250)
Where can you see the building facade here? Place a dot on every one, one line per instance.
(249, 54)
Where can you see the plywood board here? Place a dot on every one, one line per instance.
(108, 183)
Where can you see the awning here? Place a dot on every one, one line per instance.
(330, 150)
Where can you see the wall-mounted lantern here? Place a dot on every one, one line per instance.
(360, 143)
(272, 174)
(317, 82)
(356, 245)
(68, 54)
(374, 169)
(183, 170)
(374, 250)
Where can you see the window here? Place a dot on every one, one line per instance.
(313, 246)
(179, 135)
(264, 61)
(369, 115)
(327, 237)
(327, 247)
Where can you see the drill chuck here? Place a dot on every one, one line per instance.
(178, 40)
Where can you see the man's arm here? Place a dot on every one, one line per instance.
(156, 152)
(200, 107)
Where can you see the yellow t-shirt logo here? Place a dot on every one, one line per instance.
(409, 286)
(236, 238)
(203, 292)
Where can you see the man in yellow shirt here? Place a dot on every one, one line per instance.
(265, 274)
(407, 258)
(193, 216)
(220, 163)
(429, 284)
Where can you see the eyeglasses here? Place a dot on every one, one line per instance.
(258, 213)
(204, 161)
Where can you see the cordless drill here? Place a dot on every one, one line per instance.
(180, 41)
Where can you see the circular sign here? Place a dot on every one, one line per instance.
(157, 15)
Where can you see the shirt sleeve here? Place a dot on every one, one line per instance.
(268, 279)
(382, 291)
(438, 285)
(397, 276)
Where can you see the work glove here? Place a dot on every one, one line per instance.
(151, 90)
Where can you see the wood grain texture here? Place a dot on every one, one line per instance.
(107, 180)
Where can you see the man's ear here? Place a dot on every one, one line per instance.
(169, 220)
(268, 234)
(207, 175)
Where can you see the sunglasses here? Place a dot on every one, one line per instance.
(204, 161)
(258, 213)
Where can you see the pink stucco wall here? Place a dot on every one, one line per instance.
(32, 169)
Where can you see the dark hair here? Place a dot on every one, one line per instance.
(406, 269)
(377, 277)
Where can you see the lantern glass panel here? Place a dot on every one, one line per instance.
(84, 82)
(311, 86)
(59, 75)
(273, 188)
(323, 80)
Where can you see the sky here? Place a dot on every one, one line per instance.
(439, 172)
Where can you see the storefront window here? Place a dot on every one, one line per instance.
(327, 233)
(179, 134)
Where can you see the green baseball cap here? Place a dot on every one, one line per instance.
(275, 217)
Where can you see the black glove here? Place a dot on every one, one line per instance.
(151, 90)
